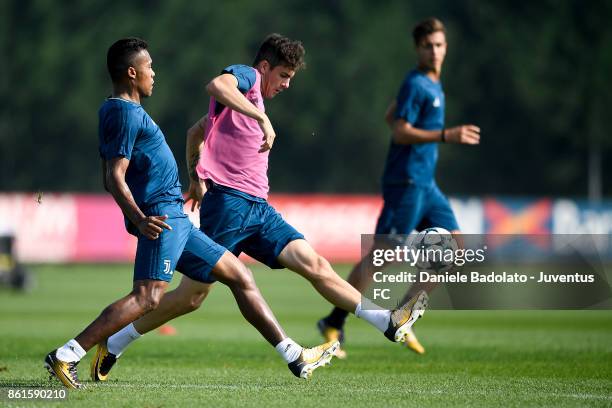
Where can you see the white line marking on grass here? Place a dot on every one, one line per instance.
(354, 390)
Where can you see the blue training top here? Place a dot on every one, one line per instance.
(126, 130)
(246, 79)
(420, 102)
(244, 74)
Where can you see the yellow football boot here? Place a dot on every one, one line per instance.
(330, 333)
(102, 363)
(412, 343)
(312, 358)
(64, 371)
(404, 317)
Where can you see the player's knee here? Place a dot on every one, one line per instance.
(147, 303)
(234, 274)
(242, 277)
(148, 300)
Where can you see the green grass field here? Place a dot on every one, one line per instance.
(509, 358)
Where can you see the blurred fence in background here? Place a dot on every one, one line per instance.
(89, 228)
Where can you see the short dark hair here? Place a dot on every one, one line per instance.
(426, 27)
(121, 54)
(280, 50)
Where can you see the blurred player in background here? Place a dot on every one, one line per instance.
(227, 154)
(140, 172)
(412, 199)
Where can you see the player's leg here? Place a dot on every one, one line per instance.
(145, 296)
(278, 245)
(360, 278)
(231, 272)
(155, 260)
(402, 210)
(331, 326)
(300, 257)
(187, 297)
(234, 274)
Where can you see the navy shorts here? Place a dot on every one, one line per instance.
(184, 248)
(412, 207)
(244, 223)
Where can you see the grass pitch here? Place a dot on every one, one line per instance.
(490, 358)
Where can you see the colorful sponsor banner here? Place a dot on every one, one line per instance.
(89, 228)
(517, 216)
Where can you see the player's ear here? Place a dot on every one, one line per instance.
(131, 71)
(265, 66)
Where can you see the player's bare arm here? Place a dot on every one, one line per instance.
(405, 133)
(195, 142)
(150, 226)
(224, 89)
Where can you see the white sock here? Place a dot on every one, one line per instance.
(71, 351)
(117, 343)
(289, 350)
(373, 314)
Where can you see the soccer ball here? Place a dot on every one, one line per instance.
(437, 247)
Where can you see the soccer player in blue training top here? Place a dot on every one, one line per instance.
(227, 151)
(140, 172)
(412, 199)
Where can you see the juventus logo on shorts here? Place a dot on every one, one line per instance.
(167, 266)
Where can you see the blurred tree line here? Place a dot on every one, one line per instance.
(536, 76)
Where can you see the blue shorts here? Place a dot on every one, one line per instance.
(244, 223)
(413, 207)
(184, 248)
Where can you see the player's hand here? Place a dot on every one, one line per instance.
(195, 194)
(153, 225)
(464, 134)
(269, 134)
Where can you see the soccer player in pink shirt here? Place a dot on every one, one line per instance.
(227, 154)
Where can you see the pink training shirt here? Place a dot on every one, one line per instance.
(230, 156)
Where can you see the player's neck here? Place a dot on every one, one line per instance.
(431, 73)
(126, 92)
